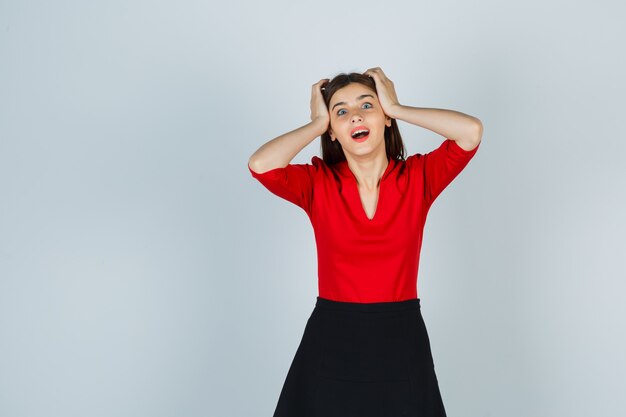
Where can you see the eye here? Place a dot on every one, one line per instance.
(364, 104)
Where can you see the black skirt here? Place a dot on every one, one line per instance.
(362, 360)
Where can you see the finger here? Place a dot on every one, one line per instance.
(372, 72)
(320, 82)
(380, 73)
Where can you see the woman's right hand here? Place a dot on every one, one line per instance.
(319, 111)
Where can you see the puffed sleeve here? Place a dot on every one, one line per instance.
(442, 165)
(293, 183)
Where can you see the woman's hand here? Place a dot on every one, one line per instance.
(319, 111)
(385, 90)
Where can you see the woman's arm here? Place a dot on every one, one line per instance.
(278, 152)
(464, 129)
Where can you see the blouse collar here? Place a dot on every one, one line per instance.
(344, 169)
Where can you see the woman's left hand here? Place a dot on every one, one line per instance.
(385, 91)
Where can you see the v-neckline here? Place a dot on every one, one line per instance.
(380, 188)
(375, 206)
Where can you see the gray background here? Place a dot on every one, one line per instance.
(144, 272)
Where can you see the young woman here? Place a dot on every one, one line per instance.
(365, 351)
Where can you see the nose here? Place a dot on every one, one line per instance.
(356, 117)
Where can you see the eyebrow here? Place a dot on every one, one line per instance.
(361, 97)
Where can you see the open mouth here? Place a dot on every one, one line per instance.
(360, 132)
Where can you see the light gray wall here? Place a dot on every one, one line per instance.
(144, 272)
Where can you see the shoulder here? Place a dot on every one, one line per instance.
(320, 166)
(318, 162)
(448, 149)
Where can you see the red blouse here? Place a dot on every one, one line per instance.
(362, 260)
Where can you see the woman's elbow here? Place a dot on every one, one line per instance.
(477, 130)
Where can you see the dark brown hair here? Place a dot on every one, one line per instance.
(331, 150)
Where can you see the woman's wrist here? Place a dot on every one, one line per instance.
(395, 111)
(320, 124)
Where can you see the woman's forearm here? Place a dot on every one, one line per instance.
(448, 123)
(278, 152)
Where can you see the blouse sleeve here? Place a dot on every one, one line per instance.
(293, 183)
(442, 165)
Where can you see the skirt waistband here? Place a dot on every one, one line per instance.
(411, 304)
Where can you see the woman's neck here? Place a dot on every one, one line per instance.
(368, 172)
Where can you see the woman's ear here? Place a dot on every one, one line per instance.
(388, 121)
(330, 133)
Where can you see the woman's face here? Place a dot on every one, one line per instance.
(355, 108)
